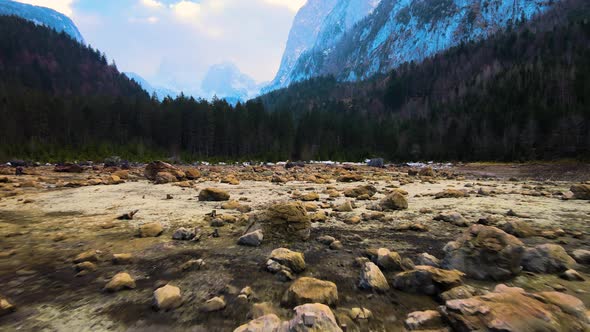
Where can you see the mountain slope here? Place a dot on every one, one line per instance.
(399, 31)
(519, 94)
(33, 57)
(42, 16)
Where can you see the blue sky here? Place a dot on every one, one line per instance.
(173, 42)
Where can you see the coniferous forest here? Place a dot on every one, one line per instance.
(523, 94)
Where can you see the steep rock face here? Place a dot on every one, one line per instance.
(225, 80)
(399, 31)
(42, 16)
(318, 25)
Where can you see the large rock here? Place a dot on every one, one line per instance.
(427, 280)
(152, 169)
(372, 278)
(367, 190)
(252, 239)
(266, 323)
(213, 195)
(423, 320)
(287, 220)
(152, 229)
(68, 168)
(451, 193)
(519, 228)
(394, 201)
(313, 317)
(311, 290)
(214, 304)
(547, 258)
(485, 252)
(295, 261)
(119, 282)
(167, 298)
(513, 310)
(165, 177)
(386, 259)
(454, 218)
(582, 256)
(581, 191)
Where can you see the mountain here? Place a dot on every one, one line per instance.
(161, 92)
(226, 81)
(520, 94)
(42, 16)
(318, 25)
(399, 31)
(36, 58)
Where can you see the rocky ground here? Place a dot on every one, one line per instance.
(312, 248)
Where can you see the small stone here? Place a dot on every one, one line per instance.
(122, 259)
(360, 313)
(311, 290)
(5, 306)
(424, 320)
(344, 207)
(326, 239)
(89, 255)
(215, 304)
(336, 245)
(167, 297)
(427, 259)
(192, 264)
(252, 239)
(581, 256)
(86, 266)
(572, 275)
(119, 282)
(295, 261)
(153, 229)
(213, 194)
(183, 234)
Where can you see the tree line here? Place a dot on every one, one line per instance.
(519, 95)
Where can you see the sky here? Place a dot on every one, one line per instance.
(173, 42)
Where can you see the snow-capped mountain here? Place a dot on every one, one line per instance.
(226, 81)
(398, 31)
(161, 92)
(42, 16)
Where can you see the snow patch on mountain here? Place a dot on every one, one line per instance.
(42, 16)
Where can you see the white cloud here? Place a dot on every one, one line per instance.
(293, 5)
(152, 3)
(186, 10)
(62, 6)
(150, 19)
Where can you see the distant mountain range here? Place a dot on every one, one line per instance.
(226, 81)
(42, 16)
(356, 39)
(160, 92)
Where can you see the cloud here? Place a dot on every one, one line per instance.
(150, 19)
(186, 10)
(293, 5)
(62, 6)
(152, 3)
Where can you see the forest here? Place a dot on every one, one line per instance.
(523, 94)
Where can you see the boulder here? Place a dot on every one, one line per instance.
(287, 220)
(459, 292)
(252, 239)
(372, 278)
(485, 252)
(388, 260)
(424, 320)
(426, 171)
(213, 195)
(313, 317)
(581, 256)
(519, 228)
(183, 234)
(165, 177)
(367, 190)
(295, 261)
(121, 259)
(310, 197)
(68, 168)
(350, 178)
(167, 298)
(344, 207)
(230, 179)
(547, 258)
(192, 174)
(454, 218)
(427, 259)
(266, 323)
(311, 290)
(152, 169)
(581, 191)
(153, 229)
(427, 280)
(451, 193)
(119, 282)
(513, 310)
(376, 162)
(394, 201)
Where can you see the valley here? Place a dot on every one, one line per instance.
(62, 242)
